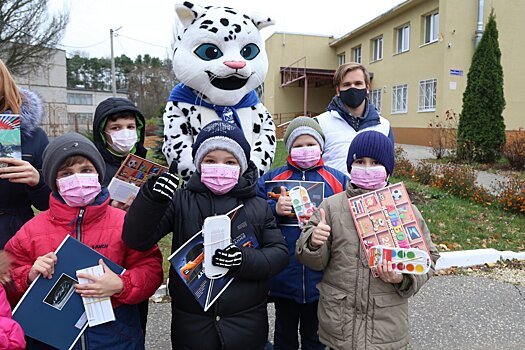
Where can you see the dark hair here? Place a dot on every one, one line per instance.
(72, 160)
(122, 115)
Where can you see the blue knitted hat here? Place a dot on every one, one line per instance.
(224, 136)
(372, 144)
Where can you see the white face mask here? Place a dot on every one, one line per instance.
(123, 140)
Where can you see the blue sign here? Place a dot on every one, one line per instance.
(456, 72)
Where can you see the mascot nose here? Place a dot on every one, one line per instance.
(235, 64)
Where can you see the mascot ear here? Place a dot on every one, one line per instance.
(261, 21)
(188, 12)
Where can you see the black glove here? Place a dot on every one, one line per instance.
(229, 257)
(166, 185)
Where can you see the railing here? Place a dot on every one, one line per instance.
(294, 72)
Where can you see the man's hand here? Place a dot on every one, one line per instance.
(101, 286)
(321, 232)
(387, 274)
(166, 185)
(44, 265)
(284, 204)
(19, 171)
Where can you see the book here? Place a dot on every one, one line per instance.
(132, 174)
(188, 260)
(315, 195)
(50, 310)
(10, 139)
(385, 218)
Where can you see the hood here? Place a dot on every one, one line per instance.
(31, 113)
(111, 106)
(246, 188)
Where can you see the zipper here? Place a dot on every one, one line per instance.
(83, 341)
(304, 177)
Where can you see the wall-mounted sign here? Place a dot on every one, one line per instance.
(456, 72)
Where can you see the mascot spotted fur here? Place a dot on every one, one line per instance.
(219, 60)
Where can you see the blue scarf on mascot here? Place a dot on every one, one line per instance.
(183, 93)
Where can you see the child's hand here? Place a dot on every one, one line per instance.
(101, 286)
(166, 185)
(321, 232)
(19, 171)
(387, 274)
(284, 204)
(44, 265)
(5, 261)
(123, 206)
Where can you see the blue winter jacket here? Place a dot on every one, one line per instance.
(296, 281)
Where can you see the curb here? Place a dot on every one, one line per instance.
(465, 258)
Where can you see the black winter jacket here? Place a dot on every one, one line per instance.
(16, 199)
(238, 319)
(104, 109)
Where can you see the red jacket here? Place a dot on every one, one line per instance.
(100, 228)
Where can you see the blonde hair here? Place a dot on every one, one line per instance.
(10, 95)
(348, 67)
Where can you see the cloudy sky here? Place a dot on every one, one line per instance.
(147, 26)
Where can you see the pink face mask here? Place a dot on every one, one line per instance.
(370, 178)
(306, 157)
(79, 190)
(220, 178)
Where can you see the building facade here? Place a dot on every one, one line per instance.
(419, 54)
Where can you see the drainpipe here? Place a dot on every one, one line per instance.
(479, 29)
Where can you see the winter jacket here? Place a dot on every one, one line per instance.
(340, 128)
(99, 226)
(296, 281)
(11, 334)
(238, 319)
(357, 310)
(16, 199)
(112, 160)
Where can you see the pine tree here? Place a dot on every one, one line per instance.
(481, 129)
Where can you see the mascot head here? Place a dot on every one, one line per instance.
(220, 53)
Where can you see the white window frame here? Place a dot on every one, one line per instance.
(79, 99)
(375, 97)
(400, 99)
(431, 25)
(377, 48)
(403, 38)
(427, 95)
(341, 58)
(357, 54)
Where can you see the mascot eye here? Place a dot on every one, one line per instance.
(250, 51)
(208, 52)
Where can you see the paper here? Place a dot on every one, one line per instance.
(10, 143)
(98, 310)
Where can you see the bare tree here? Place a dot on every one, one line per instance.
(28, 34)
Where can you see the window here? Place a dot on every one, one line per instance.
(431, 27)
(356, 54)
(375, 98)
(341, 58)
(403, 39)
(80, 121)
(427, 95)
(399, 98)
(79, 99)
(377, 48)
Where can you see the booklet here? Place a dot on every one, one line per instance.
(188, 260)
(10, 142)
(385, 218)
(50, 310)
(133, 172)
(315, 192)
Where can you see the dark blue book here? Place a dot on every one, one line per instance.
(50, 310)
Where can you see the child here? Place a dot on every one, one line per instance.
(118, 129)
(79, 206)
(225, 178)
(11, 334)
(356, 310)
(293, 290)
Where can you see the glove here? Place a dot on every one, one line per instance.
(166, 185)
(229, 257)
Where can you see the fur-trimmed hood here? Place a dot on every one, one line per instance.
(32, 111)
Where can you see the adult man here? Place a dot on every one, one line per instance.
(349, 113)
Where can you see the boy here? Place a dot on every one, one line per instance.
(225, 178)
(79, 206)
(356, 310)
(293, 290)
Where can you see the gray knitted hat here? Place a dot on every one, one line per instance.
(303, 126)
(65, 146)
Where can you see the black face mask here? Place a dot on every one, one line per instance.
(353, 97)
